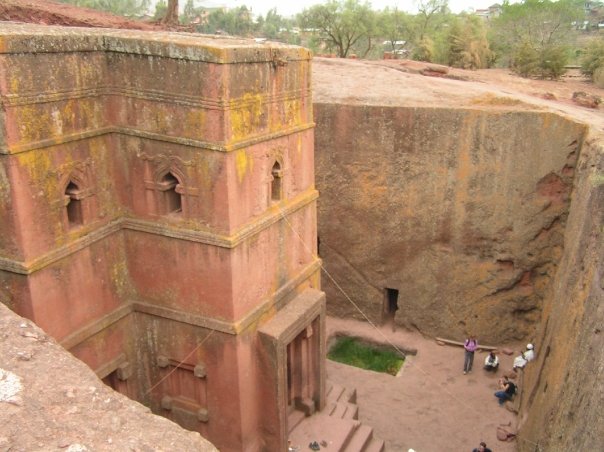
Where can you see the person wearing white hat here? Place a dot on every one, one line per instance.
(525, 356)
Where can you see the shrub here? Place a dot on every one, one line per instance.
(525, 60)
(545, 62)
(598, 77)
(552, 61)
(424, 51)
(593, 58)
(468, 47)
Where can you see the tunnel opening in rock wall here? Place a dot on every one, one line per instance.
(466, 219)
(390, 305)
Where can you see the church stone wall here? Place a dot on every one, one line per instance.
(160, 205)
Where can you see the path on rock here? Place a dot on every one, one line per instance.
(430, 406)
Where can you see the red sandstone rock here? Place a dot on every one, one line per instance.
(48, 12)
(586, 100)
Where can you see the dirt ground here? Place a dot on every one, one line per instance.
(430, 406)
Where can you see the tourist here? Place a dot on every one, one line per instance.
(482, 448)
(491, 362)
(508, 389)
(525, 356)
(470, 345)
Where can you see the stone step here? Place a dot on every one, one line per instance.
(375, 445)
(336, 393)
(359, 439)
(294, 419)
(321, 428)
(336, 427)
(343, 410)
(352, 411)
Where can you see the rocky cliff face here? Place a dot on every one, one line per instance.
(462, 211)
(561, 405)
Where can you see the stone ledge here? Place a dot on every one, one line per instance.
(277, 301)
(133, 224)
(20, 38)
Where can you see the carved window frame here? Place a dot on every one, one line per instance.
(161, 188)
(82, 194)
(276, 182)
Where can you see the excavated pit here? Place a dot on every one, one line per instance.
(482, 208)
(449, 208)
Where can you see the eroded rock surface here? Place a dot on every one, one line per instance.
(561, 407)
(462, 210)
(59, 403)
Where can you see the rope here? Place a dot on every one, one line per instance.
(180, 363)
(394, 346)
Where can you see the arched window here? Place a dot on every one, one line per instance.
(73, 198)
(276, 183)
(172, 198)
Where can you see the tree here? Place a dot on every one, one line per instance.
(343, 25)
(189, 13)
(270, 25)
(237, 21)
(593, 57)
(120, 7)
(430, 15)
(171, 16)
(396, 27)
(539, 27)
(160, 10)
(424, 50)
(468, 43)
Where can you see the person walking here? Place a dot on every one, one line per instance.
(470, 345)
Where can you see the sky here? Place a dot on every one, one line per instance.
(288, 8)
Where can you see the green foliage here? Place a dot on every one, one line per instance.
(351, 351)
(236, 21)
(431, 16)
(431, 25)
(525, 61)
(543, 27)
(396, 26)
(119, 7)
(424, 50)
(270, 26)
(161, 7)
(593, 58)
(553, 58)
(190, 12)
(345, 26)
(547, 62)
(468, 43)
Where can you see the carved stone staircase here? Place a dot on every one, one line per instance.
(336, 428)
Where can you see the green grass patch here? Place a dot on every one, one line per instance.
(351, 351)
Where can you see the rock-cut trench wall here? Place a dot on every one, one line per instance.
(563, 390)
(462, 211)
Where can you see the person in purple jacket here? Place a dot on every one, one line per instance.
(470, 345)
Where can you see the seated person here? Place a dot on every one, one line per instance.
(491, 362)
(482, 448)
(525, 356)
(508, 389)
